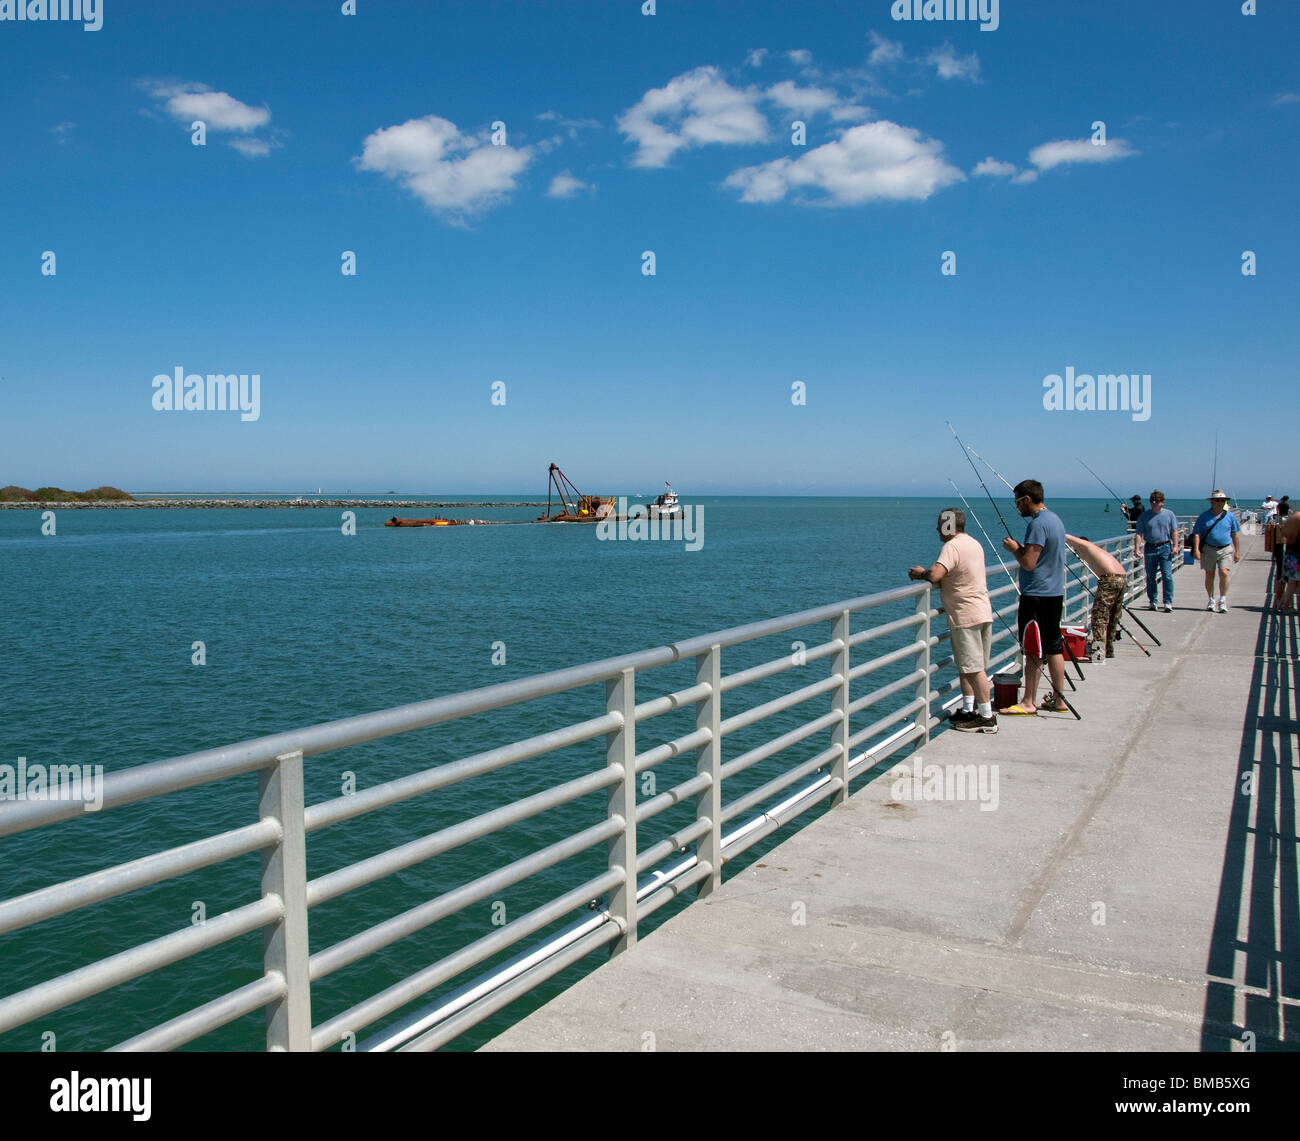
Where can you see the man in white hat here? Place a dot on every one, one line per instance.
(1269, 507)
(1216, 531)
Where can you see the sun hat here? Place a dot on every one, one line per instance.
(1217, 494)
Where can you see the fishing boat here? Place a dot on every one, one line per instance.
(666, 504)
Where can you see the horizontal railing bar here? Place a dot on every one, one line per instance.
(778, 665)
(874, 632)
(724, 638)
(391, 792)
(780, 704)
(910, 650)
(779, 783)
(670, 798)
(376, 867)
(670, 702)
(671, 890)
(209, 765)
(784, 741)
(413, 986)
(478, 991)
(36, 906)
(677, 747)
(504, 995)
(814, 794)
(669, 844)
(208, 1017)
(884, 722)
(139, 960)
(882, 750)
(869, 699)
(331, 959)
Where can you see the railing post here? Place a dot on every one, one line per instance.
(620, 698)
(285, 948)
(923, 663)
(708, 759)
(840, 705)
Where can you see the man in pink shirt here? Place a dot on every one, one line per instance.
(959, 573)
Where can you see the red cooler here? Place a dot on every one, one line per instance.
(1076, 641)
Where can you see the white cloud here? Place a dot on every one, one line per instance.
(991, 166)
(564, 185)
(1064, 151)
(872, 162)
(850, 111)
(802, 100)
(187, 102)
(1286, 97)
(756, 57)
(1026, 176)
(693, 109)
(801, 56)
(950, 65)
(572, 126)
(883, 50)
(449, 172)
(251, 146)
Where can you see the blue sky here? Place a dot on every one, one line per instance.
(775, 263)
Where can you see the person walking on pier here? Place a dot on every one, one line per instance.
(1108, 599)
(1155, 541)
(1216, 530)
(963, 589)
(1279, 551)
(1041, 558)
(1287, 572)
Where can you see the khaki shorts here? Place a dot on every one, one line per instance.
(972, 646)
(1214, 558)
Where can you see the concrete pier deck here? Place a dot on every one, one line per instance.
(1129, 891)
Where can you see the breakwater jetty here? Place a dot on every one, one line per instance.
(225, 504)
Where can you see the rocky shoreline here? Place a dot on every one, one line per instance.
(138, 504)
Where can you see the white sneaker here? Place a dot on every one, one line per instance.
(1223, 606)
(1167, 608)
(1209, 604)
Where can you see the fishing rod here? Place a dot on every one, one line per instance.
(1123, 505)
(1214, 474)
(1123, 606)
(1069, 653)
(983, 485)
(1015, 638)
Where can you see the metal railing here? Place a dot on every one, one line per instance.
(842, 724)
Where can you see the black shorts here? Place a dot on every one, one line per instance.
(1046, 611)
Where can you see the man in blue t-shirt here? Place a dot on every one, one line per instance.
(1215, 532)
(1042, 591)
(1155, 540)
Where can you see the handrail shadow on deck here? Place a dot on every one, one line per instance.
(1271, 943)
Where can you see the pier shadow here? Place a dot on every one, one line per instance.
(1257, 919)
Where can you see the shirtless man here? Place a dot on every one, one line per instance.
(1112, 583)
(1289, 533)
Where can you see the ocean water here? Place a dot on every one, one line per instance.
(301, 624)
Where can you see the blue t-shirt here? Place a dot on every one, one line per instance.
(1047, 579)
(1218, 533)
(1157, 527)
